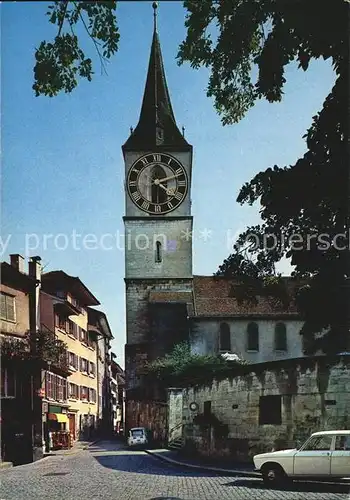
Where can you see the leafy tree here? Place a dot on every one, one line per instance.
(303, 206)
(60, 63)
(181, 367)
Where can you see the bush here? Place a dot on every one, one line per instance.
(182, 368)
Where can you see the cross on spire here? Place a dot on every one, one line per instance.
(155, 7)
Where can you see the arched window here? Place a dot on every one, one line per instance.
(158, 193)
(252, 337)
(225, 337)
(158, 251)
(280, 337)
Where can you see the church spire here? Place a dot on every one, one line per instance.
(157, 125)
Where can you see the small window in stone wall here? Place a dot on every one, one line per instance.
(270, 410)
(252, 337)
(207, 408)
(225, 337)
(158, 256)
(280, 337)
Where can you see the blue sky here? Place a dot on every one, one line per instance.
(62, 166)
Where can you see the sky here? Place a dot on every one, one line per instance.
(62, 164)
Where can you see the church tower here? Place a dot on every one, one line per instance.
(158, 225)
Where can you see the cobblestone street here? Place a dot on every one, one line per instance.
(109, 472)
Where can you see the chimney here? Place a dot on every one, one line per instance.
(34, 268)
(17, 261)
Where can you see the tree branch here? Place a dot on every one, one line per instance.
(96, 45)
(63, 18)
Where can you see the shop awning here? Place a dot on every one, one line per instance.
(59, 417)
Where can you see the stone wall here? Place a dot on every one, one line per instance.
(310, 394)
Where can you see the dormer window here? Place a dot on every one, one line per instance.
(158, 257)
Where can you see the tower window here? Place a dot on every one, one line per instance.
(158, 193)
(225, 337)
(252, 337)
(280, 337)
(158, 251)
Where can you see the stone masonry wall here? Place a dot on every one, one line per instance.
(315, 395)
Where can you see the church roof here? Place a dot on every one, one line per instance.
(213, 298)
(157, 126)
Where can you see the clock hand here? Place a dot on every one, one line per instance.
(161, 185)
(170, 177)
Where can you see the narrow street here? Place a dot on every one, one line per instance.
(110, 472)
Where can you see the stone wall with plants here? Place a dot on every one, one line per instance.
(232, 418)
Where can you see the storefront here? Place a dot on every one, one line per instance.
(56, 428)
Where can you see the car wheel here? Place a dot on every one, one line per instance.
(273, 475)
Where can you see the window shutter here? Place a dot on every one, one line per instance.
(10, 303)
(3, 306)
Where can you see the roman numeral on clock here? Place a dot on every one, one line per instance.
(157, 158)
(132, 183)
(136, 196)
(145, 205)
(178, 195)
(178, 171)
(182, 183)
(157, 208)
(170, 205)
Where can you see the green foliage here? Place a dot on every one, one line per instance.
(59, 64)
(231, 37)
(304, 203)
(42, 346)
(181, 368)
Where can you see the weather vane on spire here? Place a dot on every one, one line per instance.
(155, 7)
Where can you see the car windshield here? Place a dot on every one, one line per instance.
(137, 433)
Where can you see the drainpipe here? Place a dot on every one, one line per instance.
(34, 271)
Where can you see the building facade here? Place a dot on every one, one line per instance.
(118, 396)
(98, 325)
(165, 302)
(65, 302)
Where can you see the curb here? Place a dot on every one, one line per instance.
(227, 472)
(87, 446)
(6, 465)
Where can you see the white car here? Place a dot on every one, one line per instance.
(138, 437)
(325, 455)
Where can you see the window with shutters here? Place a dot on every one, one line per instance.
(92, 395)
(73, 361)
(84, 365)
(49, 385)
(92, 369)
(84, 393)
(84, 336)
(73, 391)
(7, 308)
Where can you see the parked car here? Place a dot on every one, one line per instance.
(138, 436)
(325, 455)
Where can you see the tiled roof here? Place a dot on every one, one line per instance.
(213, 297)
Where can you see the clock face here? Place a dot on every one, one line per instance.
(157, 183)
